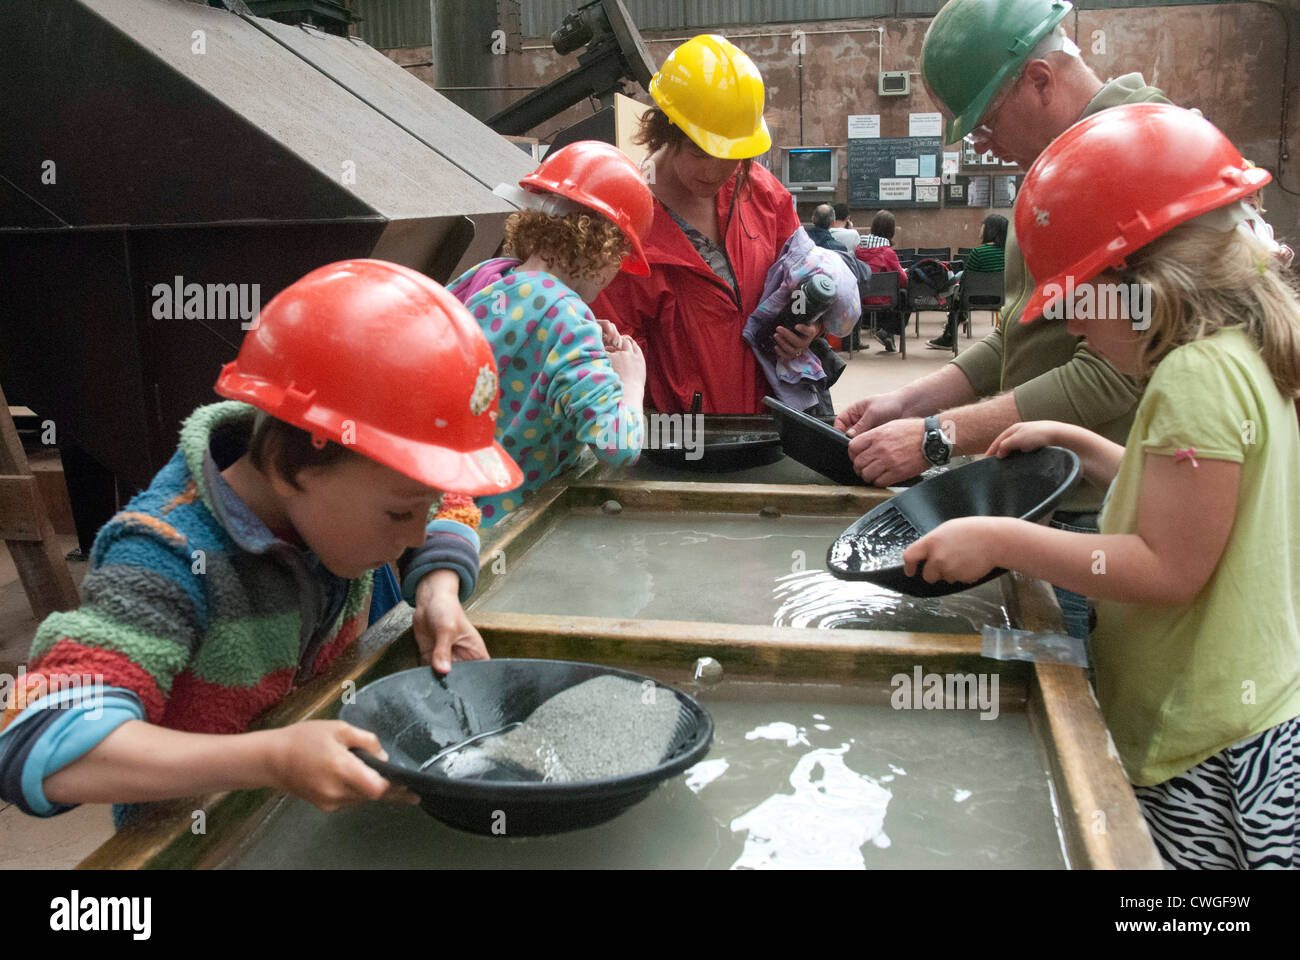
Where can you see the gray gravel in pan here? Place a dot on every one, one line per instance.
(605, 727)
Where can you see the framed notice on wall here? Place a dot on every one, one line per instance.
(895, 171)
(1004, 191)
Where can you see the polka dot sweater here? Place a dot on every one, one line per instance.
(558, 389)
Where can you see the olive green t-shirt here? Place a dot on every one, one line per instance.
(1178, 684)
(1055, 375)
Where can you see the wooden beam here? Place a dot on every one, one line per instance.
(755, 652)
(1100, 818)
(37, 556)
(678, 496)
(20, 508)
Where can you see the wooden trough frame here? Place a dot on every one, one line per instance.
(1101, 823)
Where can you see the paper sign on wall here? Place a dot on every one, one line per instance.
(927, 165)
(951, 163)
(864, 126)
(906, 167)
(895, 188)
(925, 124)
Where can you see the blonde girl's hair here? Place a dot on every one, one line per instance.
(1201, 281)
(580, 244)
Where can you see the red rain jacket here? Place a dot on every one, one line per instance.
(880, 259)
(686, 319)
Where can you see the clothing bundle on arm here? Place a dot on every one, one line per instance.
(793, 381)
(195, 616)
(558, 389)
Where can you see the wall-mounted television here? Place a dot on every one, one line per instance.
(810, 169)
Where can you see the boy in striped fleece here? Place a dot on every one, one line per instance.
(246, 567)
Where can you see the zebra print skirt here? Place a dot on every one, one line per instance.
(1235, 811)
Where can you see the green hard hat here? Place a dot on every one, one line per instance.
(974, 46)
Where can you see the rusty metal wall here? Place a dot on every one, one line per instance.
(393, 24)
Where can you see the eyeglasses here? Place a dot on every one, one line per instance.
(1050, 44)
(984, 130)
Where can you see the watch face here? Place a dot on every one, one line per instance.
(936, 450)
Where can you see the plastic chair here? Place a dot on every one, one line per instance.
(884, 283)
(906, 256)
(979, 291)
(938, 253)
(964, 251)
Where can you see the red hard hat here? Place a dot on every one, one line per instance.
(1113, 183)
(384, 361)
(601, 176)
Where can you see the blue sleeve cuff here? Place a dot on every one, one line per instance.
(443, 525)
(451, 545)
(52, 733)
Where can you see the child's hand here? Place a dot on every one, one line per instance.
(957, 551)
(1030, 435)
(629, 363)
(609, 334)
(442, 630)
(313, 760)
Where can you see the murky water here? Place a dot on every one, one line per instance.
(798, 776)
(718, 568)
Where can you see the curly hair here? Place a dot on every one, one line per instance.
(579, 244)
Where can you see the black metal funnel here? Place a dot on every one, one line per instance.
(147, 140)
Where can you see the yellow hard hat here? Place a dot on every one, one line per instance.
(713, 91)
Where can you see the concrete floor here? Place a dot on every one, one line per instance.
(63, 841)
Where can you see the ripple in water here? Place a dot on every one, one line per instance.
(814, 598)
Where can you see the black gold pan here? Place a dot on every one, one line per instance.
(814, 443)
(1024, 485)
(417, 716)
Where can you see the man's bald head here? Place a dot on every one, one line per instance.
(824, 216)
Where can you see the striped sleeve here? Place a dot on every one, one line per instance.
(141, 619)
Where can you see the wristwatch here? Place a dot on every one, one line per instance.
(936, 447)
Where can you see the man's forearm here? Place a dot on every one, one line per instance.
(946, 387)
(977, 425)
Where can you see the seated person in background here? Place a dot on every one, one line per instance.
(877, 252)
(244, 570)
(988, 257)
(842, 228)
(820, 231)
(566, 380)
